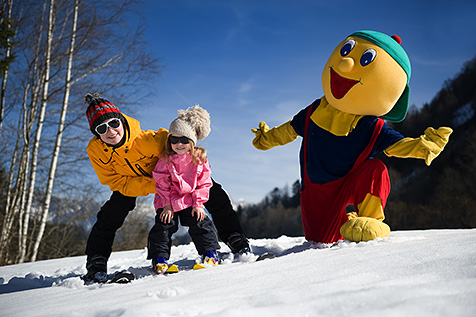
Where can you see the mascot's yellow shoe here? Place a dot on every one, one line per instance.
(364, 229)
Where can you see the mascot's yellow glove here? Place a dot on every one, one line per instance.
(266, 138)
(426, 147)
(364, 229)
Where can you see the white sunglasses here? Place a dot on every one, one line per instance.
(103, 127)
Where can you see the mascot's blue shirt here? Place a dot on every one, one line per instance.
(331, 157)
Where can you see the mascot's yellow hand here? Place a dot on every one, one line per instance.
(364, 229)
(434, 141)
(259, 135)
(266, 138)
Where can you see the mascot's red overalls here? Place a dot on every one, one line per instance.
(319, 202)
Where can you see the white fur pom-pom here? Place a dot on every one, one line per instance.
(198, 118)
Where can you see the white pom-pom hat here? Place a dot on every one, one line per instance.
(194, 123)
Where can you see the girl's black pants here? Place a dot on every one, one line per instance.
(203, 234)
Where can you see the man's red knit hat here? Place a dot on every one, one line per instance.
(99, 110)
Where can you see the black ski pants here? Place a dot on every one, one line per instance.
(112, 214)
(203, 234)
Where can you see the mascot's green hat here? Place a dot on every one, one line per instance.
(391, 44)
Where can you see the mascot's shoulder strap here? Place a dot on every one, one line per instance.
(366, 153)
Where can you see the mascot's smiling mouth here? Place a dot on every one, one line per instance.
(340, 85)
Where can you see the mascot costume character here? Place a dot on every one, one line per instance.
(365, 82)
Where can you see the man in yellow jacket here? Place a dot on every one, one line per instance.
(123, 157)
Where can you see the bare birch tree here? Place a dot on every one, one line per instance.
(59, 137)
(34, 107)
(25, 211)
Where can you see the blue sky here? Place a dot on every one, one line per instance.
(261, 60)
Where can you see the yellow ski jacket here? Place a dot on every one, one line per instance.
(128, 168)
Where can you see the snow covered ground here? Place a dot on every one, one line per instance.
(411, 273)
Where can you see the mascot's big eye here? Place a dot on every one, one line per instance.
(347, 47)
(368, 57)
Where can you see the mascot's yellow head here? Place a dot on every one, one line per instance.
(368, 74)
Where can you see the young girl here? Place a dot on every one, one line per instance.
(183, 182)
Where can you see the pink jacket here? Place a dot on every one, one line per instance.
(180, 183)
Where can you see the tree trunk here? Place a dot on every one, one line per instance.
(29, 116)
(41, 118)
(59, 136)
